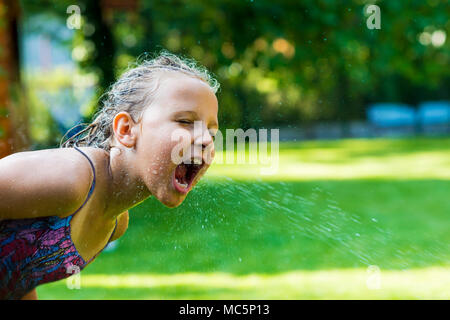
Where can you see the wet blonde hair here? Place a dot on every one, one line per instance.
(132, 93)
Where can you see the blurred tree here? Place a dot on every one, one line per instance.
(97, 33)
(13, 114)
(282, 63)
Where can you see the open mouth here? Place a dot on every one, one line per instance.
(185, 174)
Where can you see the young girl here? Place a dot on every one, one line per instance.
(59, 208)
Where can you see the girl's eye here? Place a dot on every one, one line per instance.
(185, 121)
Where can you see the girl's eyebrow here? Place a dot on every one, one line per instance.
(195, 115)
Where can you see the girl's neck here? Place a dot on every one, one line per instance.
(124, 190)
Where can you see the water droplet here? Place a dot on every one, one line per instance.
(155, 172)
(374, 220)
(240, 259)
(357, 234)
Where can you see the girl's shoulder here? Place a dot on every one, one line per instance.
(68, 159)
(99, 159)
(60, 154)
(97, 155)
(47, 182)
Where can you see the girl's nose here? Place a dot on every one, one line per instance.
(204, 147)
(204, 139)
(207, 139)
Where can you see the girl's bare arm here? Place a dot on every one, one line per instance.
(42, 183)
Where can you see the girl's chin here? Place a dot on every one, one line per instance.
(173, 202)
(172, 198)
(173, 194)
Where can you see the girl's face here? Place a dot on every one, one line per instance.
(167, 135)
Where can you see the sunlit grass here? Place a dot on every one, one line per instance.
(343, 160)
(428, 283)
(309, 231)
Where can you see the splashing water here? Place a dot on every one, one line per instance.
(270, 226)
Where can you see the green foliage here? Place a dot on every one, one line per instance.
(280, 63)
(43, 130)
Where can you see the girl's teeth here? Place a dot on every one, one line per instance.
(183, 185)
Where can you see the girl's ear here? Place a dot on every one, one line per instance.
(122, 127)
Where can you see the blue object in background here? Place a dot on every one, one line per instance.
(391, 115)
(434, 112)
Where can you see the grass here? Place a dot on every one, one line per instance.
(334, 211)
(418, 158)
(429, 283)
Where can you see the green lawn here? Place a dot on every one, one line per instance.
(334, 212)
